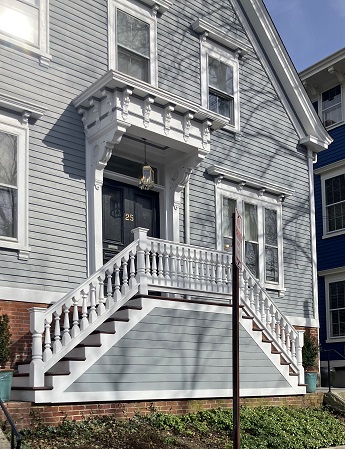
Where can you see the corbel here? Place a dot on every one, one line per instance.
(313, 91)
(206, 133)
(25, 117)
(147, 110)
(203, 37)
(154, 10)
(282, 198)
(340, 77)
(107, 101)
(261, 192)
(83, 114)
(186, 125)
(218, 180)
(167, 117)
(240, 185)
(126, 93)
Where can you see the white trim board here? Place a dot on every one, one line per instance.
(29, 295)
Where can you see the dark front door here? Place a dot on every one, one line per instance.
(126, 207)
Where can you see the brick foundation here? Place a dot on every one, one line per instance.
(26, 414)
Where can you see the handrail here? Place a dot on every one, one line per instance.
(329, 364)
(14, 431)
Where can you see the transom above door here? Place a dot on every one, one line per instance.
(126, 207)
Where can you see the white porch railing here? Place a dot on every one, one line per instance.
(149, 264)
(276, 326)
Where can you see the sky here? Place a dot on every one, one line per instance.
(310, 29)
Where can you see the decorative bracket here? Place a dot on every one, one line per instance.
(167, 118)
(127, 92)
(147, 110)
(25, 117)
(206, 133)
(340, 77)
(186, 125)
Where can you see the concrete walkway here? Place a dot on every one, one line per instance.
(4, 443)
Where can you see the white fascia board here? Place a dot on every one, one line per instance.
(279, 67)
(330, 167)
(324, 64)
(332, 271)
(21, 107)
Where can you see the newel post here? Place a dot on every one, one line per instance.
(299, 346)
(37, 329)
(141, 277)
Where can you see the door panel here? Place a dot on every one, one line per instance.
(125, 207)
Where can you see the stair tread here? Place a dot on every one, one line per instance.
(20, 374)
(74, 359)
(58, 373)
(32, 388)
(247, 317)
(112, 320)
(89, 345)
(102, 332)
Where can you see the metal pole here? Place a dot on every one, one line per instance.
(329, 371)
(235, 345)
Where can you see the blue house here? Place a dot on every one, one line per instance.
(130, 130)
(325, 83)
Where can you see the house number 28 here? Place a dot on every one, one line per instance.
(129, 217)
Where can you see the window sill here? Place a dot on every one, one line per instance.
(336, 125)
(333, 234)
(335, 339)
(276, 288)
(23, 250)
(43, 57)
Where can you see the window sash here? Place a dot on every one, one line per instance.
(335, 203)
(229, 205)
(8, 212)
(20, 19)
(271, 246)
(337, 308)
(331, 106)
(8, 159)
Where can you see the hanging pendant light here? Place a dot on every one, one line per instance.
(146, 181)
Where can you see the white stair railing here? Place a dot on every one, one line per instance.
(276, 326)
(150, 264)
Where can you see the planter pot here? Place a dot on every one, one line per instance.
(5, 384)
(310, 381)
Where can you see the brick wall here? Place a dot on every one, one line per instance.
(19, 317)
(26, 414)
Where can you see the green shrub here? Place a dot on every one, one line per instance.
(310, 352)
(5, 336)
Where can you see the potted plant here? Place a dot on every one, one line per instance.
(310, 352)
(5, 372)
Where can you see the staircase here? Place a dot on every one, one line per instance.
(72, 334)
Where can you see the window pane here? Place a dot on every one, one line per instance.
(331, 106)
(335, 203)
(252, 258)
(271, 236)
(229, 206)
(8, 159)
(271, 261)
(133, 65)
(251, 222)
(133, 34)
(8, 212)
(220, 76)
(19, 20)
(337, 308)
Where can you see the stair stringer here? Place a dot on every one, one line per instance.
(247, 324)
(77, 368)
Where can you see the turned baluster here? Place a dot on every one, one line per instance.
(75, 328)
(109, 301)
(132, 280)
(256, 299)
(218, 272)
(251, 292)
(268, 314)
(184, 266)
(92, 312)
(207, 271)
(117, 283)
(262, 306)
(278, 328)
(287, 337)
(147, 263)
(166, 267)
(179, 275)
(57, 333)
(160, 263)
(101, 299)
(191, 274)
(84, 322)
(197, 269)
(173, 268)
(283, 334)
(293, 338)
(47, 353)
(273, 322)
(66, 336)
(125, 287)
(229, 274)
(154, 262)
(212, 272)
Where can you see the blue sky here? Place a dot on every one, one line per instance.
(310, 29)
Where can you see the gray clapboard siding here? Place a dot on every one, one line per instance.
(179, 350)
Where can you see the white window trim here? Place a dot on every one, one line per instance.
(42, 50)
(261, 201)
(318, 99)
(228, 57)
(325, 175)
(143, 13)
(13, 125)
(329, 279)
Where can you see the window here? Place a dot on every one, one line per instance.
(336, 309)
(221, 88)
(133, 40)
(335, 203)
(219, 82)
(262, 233)
(13, 185)
(24, 23)
(331, 106)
